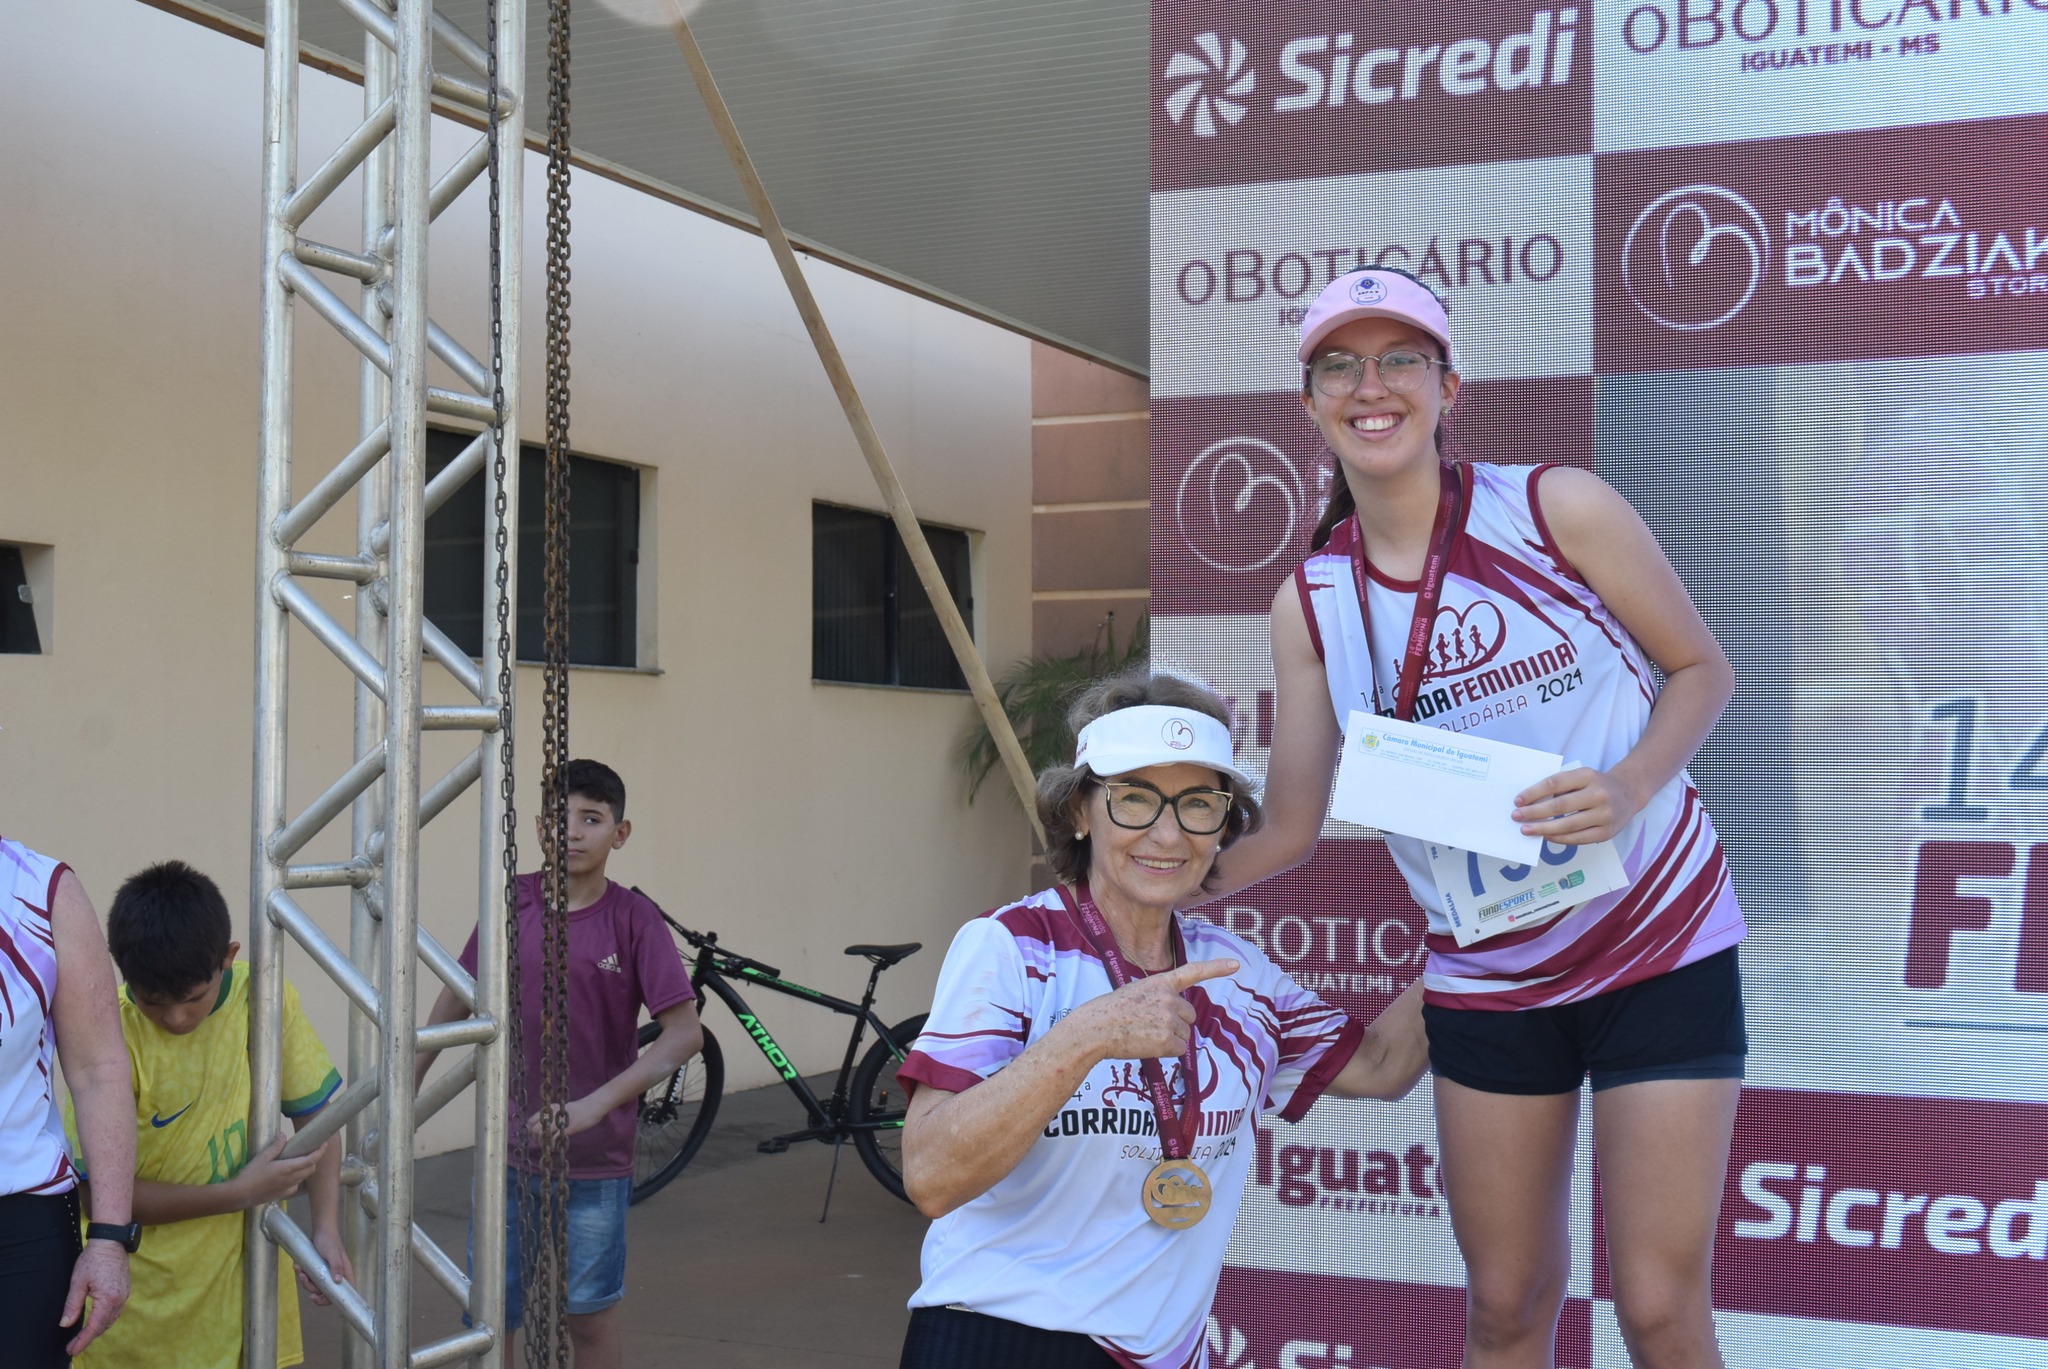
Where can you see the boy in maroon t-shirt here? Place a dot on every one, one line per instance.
(621, 959)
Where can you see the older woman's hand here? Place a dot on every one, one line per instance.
(1146, 1018)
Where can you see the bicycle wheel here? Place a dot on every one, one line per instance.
(675, 1115)
(878, 1097)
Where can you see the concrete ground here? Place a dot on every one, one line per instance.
(727, 1267)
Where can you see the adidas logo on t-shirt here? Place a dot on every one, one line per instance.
(611, 962)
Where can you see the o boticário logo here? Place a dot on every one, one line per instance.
(1214, 81)
(1695, 257)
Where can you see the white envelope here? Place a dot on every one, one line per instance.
(1445, 787)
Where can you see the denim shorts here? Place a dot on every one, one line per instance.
(597, 1243)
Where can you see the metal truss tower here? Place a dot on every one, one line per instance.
(413, 57)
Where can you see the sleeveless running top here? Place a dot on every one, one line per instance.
(33, 1158)
(1522, 650)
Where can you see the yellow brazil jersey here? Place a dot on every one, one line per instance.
(192, 1127)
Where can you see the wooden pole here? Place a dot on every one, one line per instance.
(935, 588)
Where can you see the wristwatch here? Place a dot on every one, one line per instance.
(128, 1237)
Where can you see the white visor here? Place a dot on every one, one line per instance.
(1151, 734)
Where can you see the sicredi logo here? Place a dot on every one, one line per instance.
(1214, 81)
(1327, 71)
(1799, 1201)
(1695, 257)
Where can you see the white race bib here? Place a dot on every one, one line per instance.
(1484, 896)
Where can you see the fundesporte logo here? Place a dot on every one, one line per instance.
(1239, 504)
(1215, 81)
(1695, 257)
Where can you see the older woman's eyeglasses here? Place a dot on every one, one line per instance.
(1137, 805)
(1337, 374)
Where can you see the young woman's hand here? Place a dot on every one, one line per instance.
(1576, 807)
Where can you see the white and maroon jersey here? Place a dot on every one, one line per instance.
(1522, 650)
(1062, 1242)
(33, 1158)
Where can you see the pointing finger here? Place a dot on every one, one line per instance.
(1198, 971)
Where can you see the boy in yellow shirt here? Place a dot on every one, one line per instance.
(185, 1018)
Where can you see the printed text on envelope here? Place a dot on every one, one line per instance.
(1446, 757)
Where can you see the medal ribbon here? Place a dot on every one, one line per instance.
(1450, 508)
(1177, 1140)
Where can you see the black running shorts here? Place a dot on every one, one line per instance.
(1683, 1025)
(955, 1338)
(38, 1244)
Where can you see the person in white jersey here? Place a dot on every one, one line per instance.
(1086, 1089)
(1527, 604)
(57, 1003)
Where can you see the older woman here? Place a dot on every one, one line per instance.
(1088, 1082)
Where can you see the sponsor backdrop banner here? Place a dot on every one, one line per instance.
(1777, 270)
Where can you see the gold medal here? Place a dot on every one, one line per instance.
(1177, 1194)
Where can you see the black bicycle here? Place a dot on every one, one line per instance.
(867, 1102)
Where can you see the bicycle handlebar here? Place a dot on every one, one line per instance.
(708, 941)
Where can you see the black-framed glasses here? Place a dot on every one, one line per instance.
(1137, 805)
(1403, 370)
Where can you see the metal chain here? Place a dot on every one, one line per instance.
(547, 1333)
(521, 1103)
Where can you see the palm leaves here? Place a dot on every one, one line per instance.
(1036, 693)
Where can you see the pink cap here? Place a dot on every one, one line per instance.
(1373, 294)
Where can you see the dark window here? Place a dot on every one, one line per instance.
(17, 610)
(871, 622)
(604, 556)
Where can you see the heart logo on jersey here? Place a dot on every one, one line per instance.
(1465, 639)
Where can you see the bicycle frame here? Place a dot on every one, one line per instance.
(715, 968)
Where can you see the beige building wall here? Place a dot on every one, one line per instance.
(792, 817)
(1091, 514)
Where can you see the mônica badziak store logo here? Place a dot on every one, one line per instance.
(1897, 242)
(1302, 88)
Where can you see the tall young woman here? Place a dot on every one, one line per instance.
(1459, 572)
